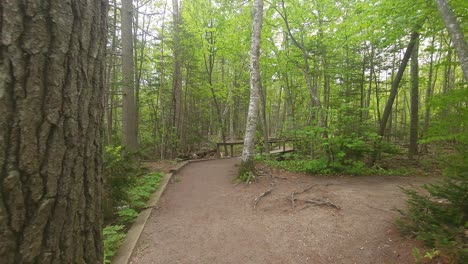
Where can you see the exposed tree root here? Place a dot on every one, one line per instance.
(296, 193)
(281, 178)
(260, 197)
(320, 202)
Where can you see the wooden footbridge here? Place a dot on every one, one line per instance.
(277, 145)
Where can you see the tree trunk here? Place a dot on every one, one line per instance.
(396, 83)
(130, 137)
(456, 34)
(413, 142)
(111, 77)
(177, 77)
(51, 119)
(429, 90)
(263, 94)
(249, 138)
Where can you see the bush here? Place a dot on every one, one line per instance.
(440, 218)
(119, 172)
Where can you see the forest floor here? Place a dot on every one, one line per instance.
(206, 217)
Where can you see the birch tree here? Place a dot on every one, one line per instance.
(255, 82)
(455, 32)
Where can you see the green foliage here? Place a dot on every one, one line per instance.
(136, 196)
(113, 237)
(127, 215)
(440, 217)
(119, 172)
(143, 188)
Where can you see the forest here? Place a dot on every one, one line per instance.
(91, 90)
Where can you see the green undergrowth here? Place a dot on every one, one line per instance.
(128, 188)
(438, 216)
(297, 163)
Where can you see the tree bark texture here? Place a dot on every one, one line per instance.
(455, 32)
(129, 118)
(51, 119)
(414, 105)
(396, 83)
(255, 82)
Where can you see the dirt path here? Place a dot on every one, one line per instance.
(205, 218)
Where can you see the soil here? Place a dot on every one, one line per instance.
(206, 217)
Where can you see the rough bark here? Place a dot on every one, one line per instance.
(413, 144)
(455, 32)
(129, 118)
(51, 117)
(255, 82)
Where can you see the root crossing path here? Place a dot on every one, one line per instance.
(205, 217)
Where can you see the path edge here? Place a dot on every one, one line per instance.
(133, 235)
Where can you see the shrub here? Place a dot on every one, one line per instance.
(119, 172)
(440, 217)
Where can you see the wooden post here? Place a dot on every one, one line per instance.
(232, 150)
(217, 150)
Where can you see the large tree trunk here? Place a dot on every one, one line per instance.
(455, 32)
(413, 142)
(255, 82)
(129, 119)
(51, 119)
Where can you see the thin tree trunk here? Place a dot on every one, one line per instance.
(266, 145)
(249, 139)
(396, 83)
(429, 90)
(111, 77)
(51, 119)
(413, 141)
(177, 77)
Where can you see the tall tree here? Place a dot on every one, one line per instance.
(51, 119)
(177, 77)
(255, 82)
(129, 119)
(414, 111)
(396, 83)
(455, 32)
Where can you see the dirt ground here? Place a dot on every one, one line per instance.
(205, 217)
